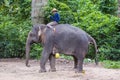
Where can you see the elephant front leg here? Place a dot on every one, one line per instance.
(52, 63)
(43, 61)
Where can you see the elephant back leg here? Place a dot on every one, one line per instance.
(80, 55)
(75, 62)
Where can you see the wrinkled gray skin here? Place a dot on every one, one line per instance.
(65, 39)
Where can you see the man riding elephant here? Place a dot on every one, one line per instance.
(55, 18)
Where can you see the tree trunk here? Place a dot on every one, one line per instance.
(118, 8)
(37, 14)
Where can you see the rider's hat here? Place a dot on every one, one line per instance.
(54, 10)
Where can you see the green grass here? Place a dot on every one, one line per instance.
(66, 57)
(111, 64)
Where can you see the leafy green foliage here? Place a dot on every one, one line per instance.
(13, 37)
(36, 50)
(66, 57)
(13, 29)
(109, 6)
(111, 64)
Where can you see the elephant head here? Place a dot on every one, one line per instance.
(34, 36)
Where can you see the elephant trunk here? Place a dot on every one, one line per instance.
(27, 52)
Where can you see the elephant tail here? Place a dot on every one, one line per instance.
(92, 41)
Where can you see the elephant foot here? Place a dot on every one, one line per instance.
(41, 71)
(52, 70)
(75, 68)
(28, 65)
(80, 71)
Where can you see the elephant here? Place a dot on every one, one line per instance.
(64, 39)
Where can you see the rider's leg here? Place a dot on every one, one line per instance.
(53, 23)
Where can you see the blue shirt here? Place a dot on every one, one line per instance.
(55, 17)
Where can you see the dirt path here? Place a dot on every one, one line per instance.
(14, 69)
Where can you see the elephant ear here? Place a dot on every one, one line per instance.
(42, 28)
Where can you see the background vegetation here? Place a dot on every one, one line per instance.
(97, 17)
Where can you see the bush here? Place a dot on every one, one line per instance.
(111, 64)
(13, 37)
(14, 28)
(109, 6)
(36, 50)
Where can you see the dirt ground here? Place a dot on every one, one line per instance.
(15, 69)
